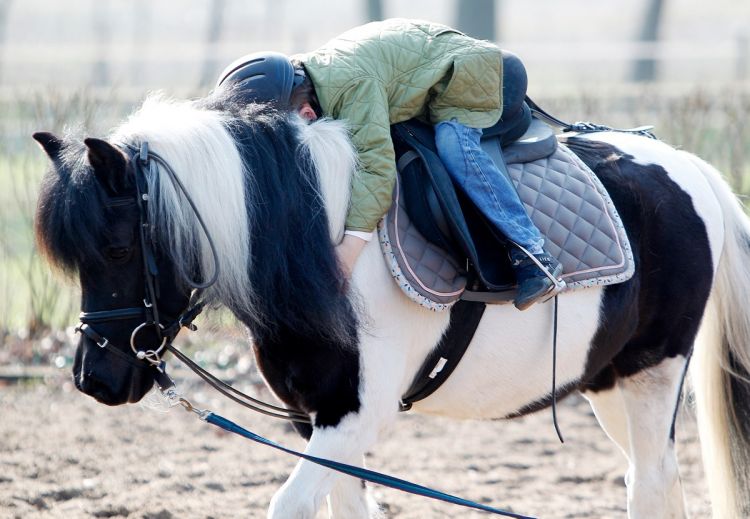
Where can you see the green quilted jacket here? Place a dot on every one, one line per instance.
(386, 72)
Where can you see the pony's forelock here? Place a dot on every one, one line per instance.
(69, 217)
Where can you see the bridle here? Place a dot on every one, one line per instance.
(166, 329)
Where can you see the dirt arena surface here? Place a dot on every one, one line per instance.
(62, 455)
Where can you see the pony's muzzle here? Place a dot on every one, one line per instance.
(109, 376)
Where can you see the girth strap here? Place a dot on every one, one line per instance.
(464, 320)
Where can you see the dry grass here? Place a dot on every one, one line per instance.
(712, 124)
(32, 300)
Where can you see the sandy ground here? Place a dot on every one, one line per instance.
(64, 455)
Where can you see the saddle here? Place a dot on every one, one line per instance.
(439, 247)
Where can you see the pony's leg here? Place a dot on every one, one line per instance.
(309, 484)
(350, 497)
(307, 487)
(390, 352)
(609, 409)
(653, 481)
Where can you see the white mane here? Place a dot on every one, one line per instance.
(200, 149)
(335, 160)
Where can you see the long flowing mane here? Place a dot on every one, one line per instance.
(254, 174)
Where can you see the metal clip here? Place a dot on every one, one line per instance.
(174, 399)
(188, 406)
(172, 396)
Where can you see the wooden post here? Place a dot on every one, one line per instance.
(211, 69)
(645, 69)
(4, 16)
(101, 13)
(374, 10)
(476, 18)
(141, 40)
(743, 56)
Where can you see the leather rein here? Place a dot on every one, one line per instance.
(166, 329)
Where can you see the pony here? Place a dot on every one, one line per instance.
(273, 193)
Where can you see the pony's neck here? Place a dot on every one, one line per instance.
(241, 165)
(335, 160)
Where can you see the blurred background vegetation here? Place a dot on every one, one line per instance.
(85, 64)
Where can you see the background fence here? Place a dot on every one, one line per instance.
(84, 64)
(139, 43)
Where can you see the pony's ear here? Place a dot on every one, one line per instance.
(50, 144)
(109, 165)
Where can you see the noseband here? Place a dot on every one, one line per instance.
(166, 329)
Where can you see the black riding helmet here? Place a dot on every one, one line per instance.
(263, 77)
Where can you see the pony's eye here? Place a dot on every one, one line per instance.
(117, 253)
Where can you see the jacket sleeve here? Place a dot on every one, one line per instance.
(364, 106)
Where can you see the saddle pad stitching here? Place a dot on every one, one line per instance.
(399, 277)
(586, 180)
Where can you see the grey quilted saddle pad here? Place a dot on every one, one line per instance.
(564, 199)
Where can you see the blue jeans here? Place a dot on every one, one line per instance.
(485, 185)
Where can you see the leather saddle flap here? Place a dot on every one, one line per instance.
(441, 213)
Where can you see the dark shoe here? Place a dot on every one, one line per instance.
(534, 285)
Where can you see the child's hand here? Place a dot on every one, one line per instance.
(348, 251)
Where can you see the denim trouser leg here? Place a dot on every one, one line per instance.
(478, 177)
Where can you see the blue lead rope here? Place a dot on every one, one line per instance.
(359, 472)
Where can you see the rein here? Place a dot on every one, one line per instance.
(238, 396)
